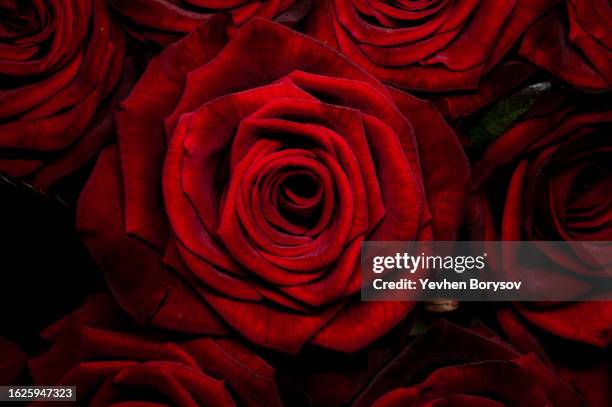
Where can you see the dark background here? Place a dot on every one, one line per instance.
(45, 271)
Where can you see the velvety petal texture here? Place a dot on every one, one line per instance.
(112, 362)
(59, 62)
(453, 366)
(559, 188)
(574, 42)
(212, 169)
(246, 182)
(585, 367)
(437, 45)
(165, 21)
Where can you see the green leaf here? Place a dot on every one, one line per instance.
(503, 114)
(419, 327)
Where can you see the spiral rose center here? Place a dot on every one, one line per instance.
(300, 198)
(575, 199)
(15, 18)
(591, 192)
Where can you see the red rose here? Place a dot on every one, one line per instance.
(574, 42)
(320, 377)
(560, 173)
(166, 21)
(110, 361)
(558, 190)
(586, 368)
(424, 45)
(58, 61)
(452, 366)
(274, 166)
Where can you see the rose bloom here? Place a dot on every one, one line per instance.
(166, 21)
(558, 189)
(585, 367)
(111, 362)
(59, 60)
(322, 377)
(574, 42)
(453, 366)
(425, 45)
(244, 183)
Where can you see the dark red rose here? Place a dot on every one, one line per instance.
(59, 60)
(112, 362)
(250, 208)
(588, 322)
(453, 366)
(13, 363)
(320, 377)
(574, 42)
(166, 21)
(586, 368)
(425, 45)
(560, 175)
(559, 189)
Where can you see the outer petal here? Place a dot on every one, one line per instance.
(140, 126)
(100, 351)
(546, 45)
(446, 170)
(587, 322)
(133, 270)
